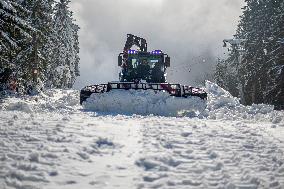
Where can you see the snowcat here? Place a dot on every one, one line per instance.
(142, 70)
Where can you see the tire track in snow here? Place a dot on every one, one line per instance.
(62, 151)
(24, 158)
(200, 154)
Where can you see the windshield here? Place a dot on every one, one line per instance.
(151, 62)
(134, 63)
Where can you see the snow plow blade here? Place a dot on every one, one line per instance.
(176, 90)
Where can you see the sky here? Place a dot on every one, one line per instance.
(189, 31)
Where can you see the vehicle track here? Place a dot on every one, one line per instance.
(207, 154)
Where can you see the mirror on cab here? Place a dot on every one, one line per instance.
(168, 61)
(119, 60)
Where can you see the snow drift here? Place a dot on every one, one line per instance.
(53, 100)
(222, 105)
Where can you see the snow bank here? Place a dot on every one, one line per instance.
(218, 97)
(144, 102)
(53, 100)
(222, 105)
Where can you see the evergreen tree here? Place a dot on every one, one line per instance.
(65, 60)
(40, 44)
(260, 72)
(253, 58)
(13, 29)
(76, 51)
(34, 57)
(275, 88)
(226, 76)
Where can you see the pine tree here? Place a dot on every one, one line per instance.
(275, 88)
(260, 72)
(34, 58)
(226, 73)
(252, 64)
(39, 43)
(65, 60)
(76, 51)
(13, 29)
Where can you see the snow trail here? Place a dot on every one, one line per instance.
(194, 154)
(50, 142)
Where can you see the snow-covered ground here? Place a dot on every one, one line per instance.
(52, 142)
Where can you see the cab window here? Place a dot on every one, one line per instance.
(153, 62)
(134, 63)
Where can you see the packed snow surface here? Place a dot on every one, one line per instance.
(49, 141)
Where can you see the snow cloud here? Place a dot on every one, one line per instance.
(190, 31)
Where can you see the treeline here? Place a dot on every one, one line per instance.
(254, 69)
(39, 44)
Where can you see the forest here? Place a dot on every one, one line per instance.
(39, 46)
(254, 69)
